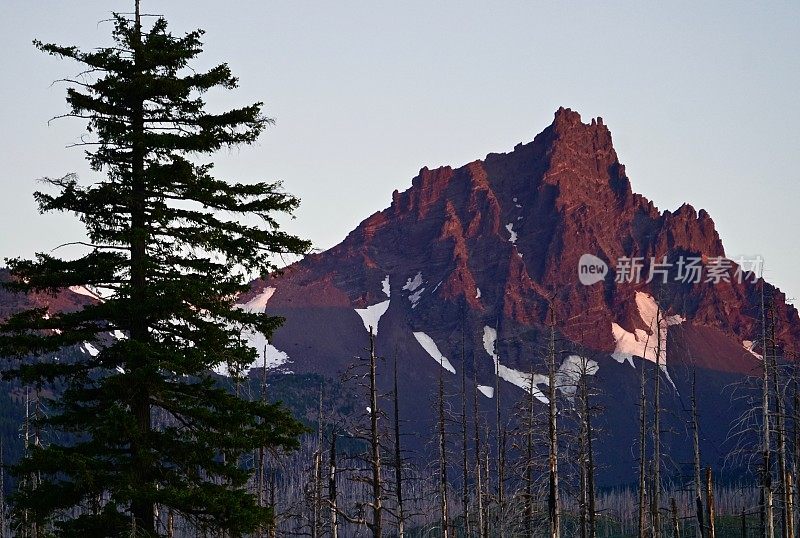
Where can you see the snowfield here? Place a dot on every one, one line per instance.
(268, 355)
(567, 375)
(259, 302)
(641, 343)
(371, 315)
(429, 345)
(486, 391)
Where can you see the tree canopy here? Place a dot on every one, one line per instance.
(138, 423)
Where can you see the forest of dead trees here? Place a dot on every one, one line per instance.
(531, 473)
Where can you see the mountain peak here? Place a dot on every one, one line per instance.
(566, 117)
(496, 241)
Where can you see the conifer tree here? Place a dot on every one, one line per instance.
(173, 245)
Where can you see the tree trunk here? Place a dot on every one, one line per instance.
(332, 490)
(464, 444)
(443, 508)
(676, 529)
(656, 496)
(698, 487)
(529, 448)
(590, 488)
(377, 487)
(744, 523)
(554, 501)
(789, 505)
(261, 450)
(272, 530)
(500, 451)
(781, 423)
(3, 524)
(712, 530)
(142, 509)
(642, 453)
(582, 516)
(796, 443)
(478, 463)
(316, 500)
(766, 447)
(398, 460)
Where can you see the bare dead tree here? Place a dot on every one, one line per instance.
(676, 529)
(528, 463)
(712, 528)
(479, 486)
(766, 484)
(332, 490)
(780, 418)
(464, 444)
(367, 468)
(698, 487)
(796, 446)
(3, 522)
(587, 461)
(261, 459)
(27, 480)
(789, 504)
(316, 491)
(501, 451)
(554, 501)
(655, 516)
(442, 444)
(375, 445)
(398, 459)
(642, 489)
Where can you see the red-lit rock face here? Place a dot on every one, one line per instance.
(494, 243)
(497, 239)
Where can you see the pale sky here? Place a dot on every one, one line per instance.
(702, 101)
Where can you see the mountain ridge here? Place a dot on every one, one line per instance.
(521, 218)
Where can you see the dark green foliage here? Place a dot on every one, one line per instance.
(147, 424)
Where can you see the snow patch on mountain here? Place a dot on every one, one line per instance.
(258, 303)
(644, 343)
(570, 372)
(416, 282)
(486, 391)
(385, 286)
(371, 315)
(414, 297)
(566, 378)
(515, 377)
(648, 344)
(430, 346)
(512, 233)
(274, 358)
(749, 345)
(119, 335)
(268, 355)
(84, 290)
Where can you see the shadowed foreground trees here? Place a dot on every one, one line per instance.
(140, 427)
